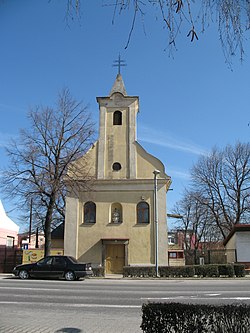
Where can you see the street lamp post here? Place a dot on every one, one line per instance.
(156, 173)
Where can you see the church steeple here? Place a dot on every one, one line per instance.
(117, 133)
(118, 86)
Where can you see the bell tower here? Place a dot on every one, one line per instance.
(117, 133)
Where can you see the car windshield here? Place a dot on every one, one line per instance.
(73, 260)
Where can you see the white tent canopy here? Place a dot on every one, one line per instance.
(5, 222)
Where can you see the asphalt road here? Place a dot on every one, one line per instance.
(101, 305)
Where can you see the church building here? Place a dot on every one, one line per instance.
(113, 224)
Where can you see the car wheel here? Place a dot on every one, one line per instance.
(70, 276)
(23, 274)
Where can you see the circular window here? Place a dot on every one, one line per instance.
(117, 166)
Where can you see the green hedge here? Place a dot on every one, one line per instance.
(164, 271)
(139, 271)
(207, 271)
(178, 271)
(239, 270)
(187, 318)
(226, 270)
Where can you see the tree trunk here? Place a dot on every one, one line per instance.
(48, 220)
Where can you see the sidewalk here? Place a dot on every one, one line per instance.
(6, 275)
(113, 276)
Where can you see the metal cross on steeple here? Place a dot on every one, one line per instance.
(119, 63)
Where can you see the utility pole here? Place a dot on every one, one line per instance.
(30, 227)
(156, 173)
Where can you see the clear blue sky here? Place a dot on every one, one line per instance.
(188, 104)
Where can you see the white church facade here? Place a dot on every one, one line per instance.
(113, 224)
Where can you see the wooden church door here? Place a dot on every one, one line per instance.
(115, 258)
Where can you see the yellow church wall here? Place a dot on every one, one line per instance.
(140, 246)
(88, 162)
(162, 225)
(139, 249)
(116, 138)
(139, 235)
(147, 163)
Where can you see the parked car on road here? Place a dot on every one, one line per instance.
(54, 267)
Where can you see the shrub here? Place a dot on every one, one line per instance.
(178, 271)
(139, 271)
(186, 318)
(226, 270)
(199, 270)
(239, 270)
(207, 270)
(165, 271)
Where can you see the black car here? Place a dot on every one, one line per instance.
(54, 267)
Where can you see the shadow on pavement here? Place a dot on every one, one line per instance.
(68, 330)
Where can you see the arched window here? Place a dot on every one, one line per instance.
(89, 212)
(142, 212)
(117, 118)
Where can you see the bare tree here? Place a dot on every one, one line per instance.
(194, 221)
(196, 225)
(222, 180)
(40, 158)
(189, 16)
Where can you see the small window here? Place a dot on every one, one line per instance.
(176, 255)
(10, 241)
(89, 212)
(143, 212)
(116, 166)
(180, 255)
(117, 118)
(171, 240)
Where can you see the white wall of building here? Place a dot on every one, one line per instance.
(243, 246)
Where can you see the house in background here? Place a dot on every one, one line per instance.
(57, 237)
(113, 225)
(237, 244)
(176, 256)
(35, 240)
(180, 243)
(184, 249)
(8, 229)
(8, 242)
